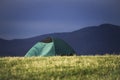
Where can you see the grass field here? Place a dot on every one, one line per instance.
(60, 68)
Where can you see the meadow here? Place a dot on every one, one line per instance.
(97, 67)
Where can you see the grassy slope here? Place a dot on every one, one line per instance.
(60, 68)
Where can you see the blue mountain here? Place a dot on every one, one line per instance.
(92, 40)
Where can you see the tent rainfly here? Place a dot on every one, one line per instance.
(50, 47)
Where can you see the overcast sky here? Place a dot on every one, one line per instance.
(27, 18)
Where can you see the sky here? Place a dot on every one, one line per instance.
(28, 18)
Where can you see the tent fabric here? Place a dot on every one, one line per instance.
(42, 49)
(54, 48)
(62, 48)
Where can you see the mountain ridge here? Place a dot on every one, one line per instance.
(86, 41)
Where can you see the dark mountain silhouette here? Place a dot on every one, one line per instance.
(100, 39)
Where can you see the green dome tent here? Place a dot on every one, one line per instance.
(50, 47)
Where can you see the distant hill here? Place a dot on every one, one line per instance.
(91, 40)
